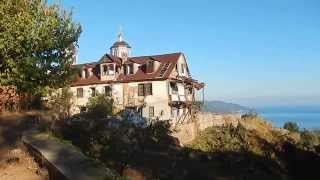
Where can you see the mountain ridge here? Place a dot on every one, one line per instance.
(218, 106)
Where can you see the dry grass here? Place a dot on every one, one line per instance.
(15, 163)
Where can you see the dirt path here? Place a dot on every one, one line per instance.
(15, 163)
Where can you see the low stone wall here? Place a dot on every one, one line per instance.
(187, 132)
(64, 161)
(207, 119)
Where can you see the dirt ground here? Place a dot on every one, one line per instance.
(15, 162)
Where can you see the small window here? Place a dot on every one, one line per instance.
(151, 111)
(130, 66)
(125, 69)
(86, 72)
(93, 91)
(145, 89)
(108, 90)
(150, 67)
(110, 69)
(123, 54)
(105, 70)
(148, 89)
(182, 68)
(140, 89)
(79, 92)
(174, 87)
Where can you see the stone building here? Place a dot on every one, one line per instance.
(155, 86)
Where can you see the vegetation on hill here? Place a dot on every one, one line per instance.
(294, 154)
(291, 126)
(223, 107)
(251, 150)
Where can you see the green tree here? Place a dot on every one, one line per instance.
(37, 45)
(291, 126)
(62, 100)
(100, 106)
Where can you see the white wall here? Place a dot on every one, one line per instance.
(159, 99)
(100, 88)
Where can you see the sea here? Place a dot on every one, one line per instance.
(305, 116)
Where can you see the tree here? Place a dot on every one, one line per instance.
(62, 100)
(100, 106)
(37, 43)
(291, 126)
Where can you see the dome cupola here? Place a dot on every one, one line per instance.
(120, 48)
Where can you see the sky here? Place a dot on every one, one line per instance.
(251, 52)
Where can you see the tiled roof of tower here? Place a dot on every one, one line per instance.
(167, 61)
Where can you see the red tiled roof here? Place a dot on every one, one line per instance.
(108, 58)
(169, 59)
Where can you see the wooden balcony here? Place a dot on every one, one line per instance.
(134, 102)
(176, 100)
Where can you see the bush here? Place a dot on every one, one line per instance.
(100, 106)
(214, 139)
(62, 100)
(291, 126)
(308, 139)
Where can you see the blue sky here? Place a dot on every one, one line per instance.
(250, 52)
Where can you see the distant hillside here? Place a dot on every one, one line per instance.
(223, 107)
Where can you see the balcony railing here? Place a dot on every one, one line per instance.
(175, 99)
(134, 102)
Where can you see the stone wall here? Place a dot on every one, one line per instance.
(187, 132)
(9, 98)
(207, 119)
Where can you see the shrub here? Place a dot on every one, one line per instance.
(100, 106)
(228, 138)
(308, 139)
(61, 101)
(291, 126)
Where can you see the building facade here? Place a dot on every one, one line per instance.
(156, 86)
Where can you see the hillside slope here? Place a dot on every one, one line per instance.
(223, 107)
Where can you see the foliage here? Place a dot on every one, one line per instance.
(250, 115)
(226, 152)
(37, 45)
(228, 138)
(61, 101)
(100, 106)
(110, 139)
(291, 126)
(308, 139)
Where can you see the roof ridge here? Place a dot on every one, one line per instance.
(156, 55)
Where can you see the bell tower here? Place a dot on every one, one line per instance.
(120, 48)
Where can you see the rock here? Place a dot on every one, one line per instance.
(133, 173)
